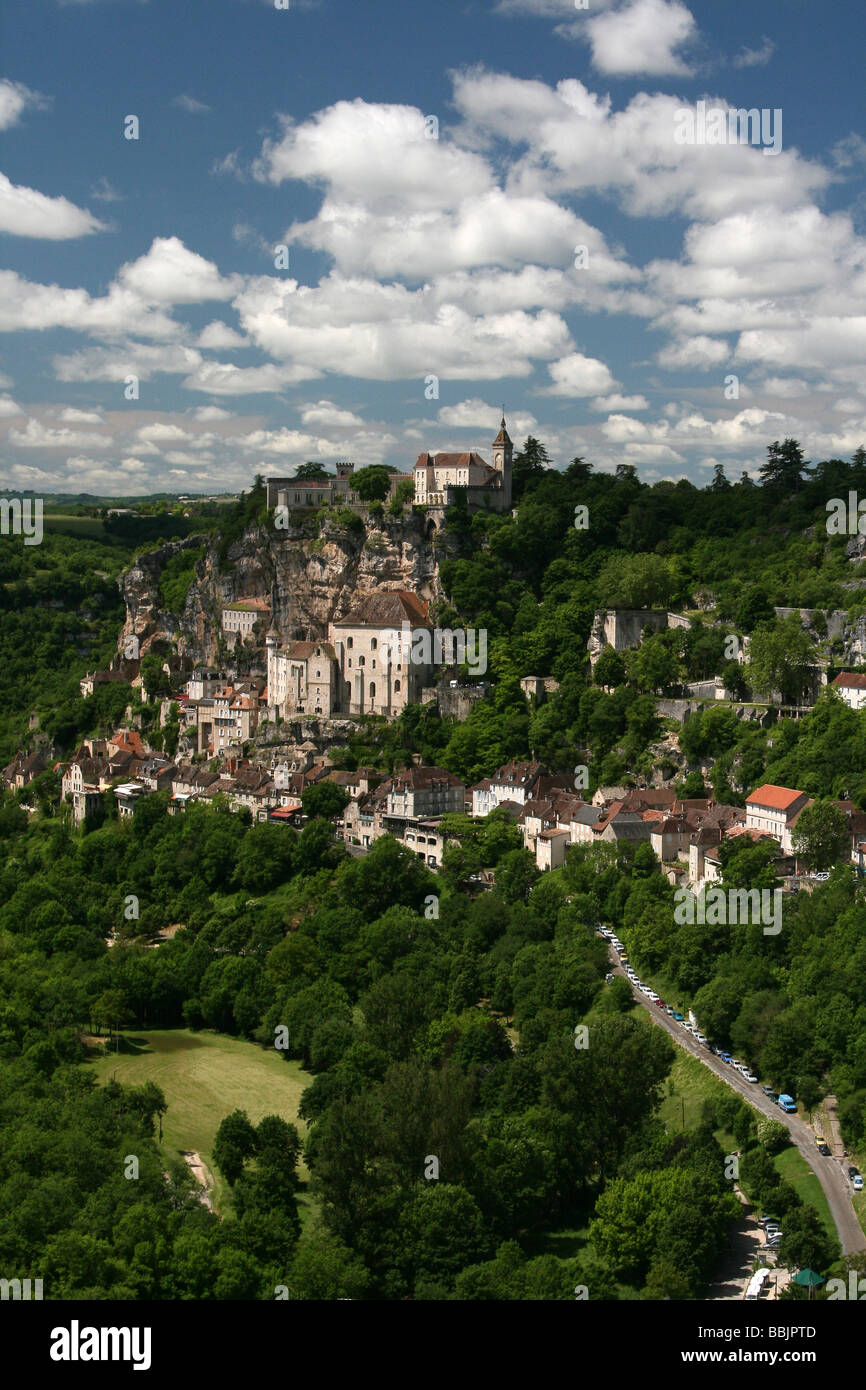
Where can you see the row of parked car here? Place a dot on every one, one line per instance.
(744, 1070)
(784, 1101)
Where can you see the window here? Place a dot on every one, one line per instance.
(373, 663)
(349, 644)
(396, 687)
(373, 644)
(360, 661)
(372, 691)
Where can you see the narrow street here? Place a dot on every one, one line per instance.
(830, 1172)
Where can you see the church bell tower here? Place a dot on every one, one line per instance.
(502, 452)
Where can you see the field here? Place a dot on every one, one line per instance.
(88, 527)
(204, 1076)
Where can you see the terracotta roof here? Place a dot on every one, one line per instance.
(775, 798)
(851, 680)
(386, 610)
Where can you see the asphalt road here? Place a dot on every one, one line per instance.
(830, 1172)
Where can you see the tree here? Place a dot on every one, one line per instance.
(821, 836)
(780, 657)
(372, 484)
(307, 472)
(784, 467)
(528, 466)
(265, 857)
(234, 1143)
(515, 875)
(653, 666)
(638, 581)
(324, 799)
(155, 679)
(720, 483)
(805, 1243)
(609, 670)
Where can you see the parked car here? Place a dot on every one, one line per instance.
(768, 1220)
(768, 1091)
(819, 1140)
(824, 1149)
(821, 878)
(787, 1103)
(669, 1009)
(726, 1057)
(857, 1183)
(701, 1037)
(652, 996)
(660, 1002)
(750, 1076)
(678, 1018)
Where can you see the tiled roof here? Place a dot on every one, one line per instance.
(850, 680)
(774, 798)
(386, 610)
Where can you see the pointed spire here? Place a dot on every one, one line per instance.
(502, 437)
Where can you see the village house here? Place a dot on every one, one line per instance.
(513, 782)
(851, 685)
(240, 618)
(775, 809)
(22, 769)
(127, 673)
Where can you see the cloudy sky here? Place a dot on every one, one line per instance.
(354, 230)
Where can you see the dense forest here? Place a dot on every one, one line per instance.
(436, 1026)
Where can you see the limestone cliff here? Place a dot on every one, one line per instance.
(308, 580)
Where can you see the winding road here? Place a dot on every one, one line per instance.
(830, 1172)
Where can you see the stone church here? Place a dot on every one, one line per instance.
(357, 670)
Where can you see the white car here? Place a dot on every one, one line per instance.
(821, 878)
(652, 995)
(750, 1076)
(857, 1183)
(700, 1037)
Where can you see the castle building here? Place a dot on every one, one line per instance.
(313, 492)
(435, 476)
(438, 475)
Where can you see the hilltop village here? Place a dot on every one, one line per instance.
(259, 729)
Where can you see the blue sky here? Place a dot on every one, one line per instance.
(432, 170)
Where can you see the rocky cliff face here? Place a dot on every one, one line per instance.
(307, 580)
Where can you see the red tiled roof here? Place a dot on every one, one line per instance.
(851, 680)
(775, 798)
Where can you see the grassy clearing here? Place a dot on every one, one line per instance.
(204, 1077)
(793, 1167)
(689, 1085)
